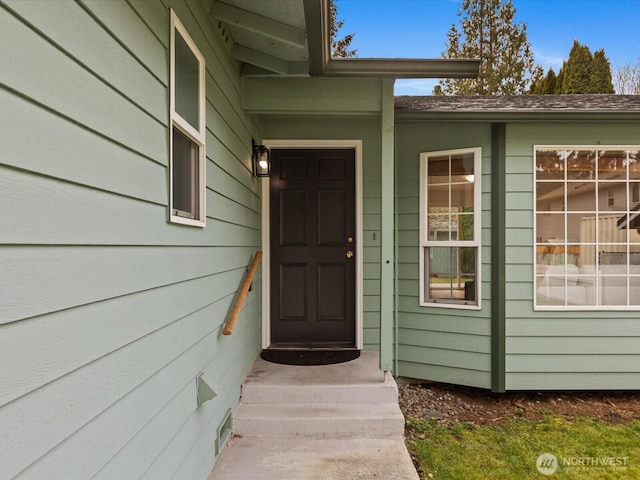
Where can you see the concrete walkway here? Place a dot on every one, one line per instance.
(317, 423)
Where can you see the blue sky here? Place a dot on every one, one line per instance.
(418, 29)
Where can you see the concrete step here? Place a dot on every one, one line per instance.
(256, 458)
(319, 420)
(381, 392)
(358, 381)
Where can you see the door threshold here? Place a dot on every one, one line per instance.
(310, 347)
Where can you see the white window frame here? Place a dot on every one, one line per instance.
(536, 239)
(477, 228)
(196, 135)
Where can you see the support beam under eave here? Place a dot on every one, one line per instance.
(294, 69)
(255, 23)
(260, 59)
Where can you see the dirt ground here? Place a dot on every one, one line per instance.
(450, 404)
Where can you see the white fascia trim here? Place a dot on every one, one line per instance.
(266, 285)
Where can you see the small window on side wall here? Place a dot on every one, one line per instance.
(450, 224)
(187, 151)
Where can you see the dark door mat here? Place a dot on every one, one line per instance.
(309, 357)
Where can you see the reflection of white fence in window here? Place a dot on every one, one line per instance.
(608, 234)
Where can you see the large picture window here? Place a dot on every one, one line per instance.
(587, 224)
(450, 193)
(187, 151)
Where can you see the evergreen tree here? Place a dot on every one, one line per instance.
(559, 80)
(339, 47)
(546, 85)
(489, 33)
(600, 79)
(577, 70)
(584, 72)
(549, 83)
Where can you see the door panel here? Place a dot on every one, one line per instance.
(293, 289)
(331, 214)
(331, 292)
(293, 218)
(294, 169)
(312, 211)
(331, 169)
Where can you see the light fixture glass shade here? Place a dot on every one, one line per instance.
(261, 161)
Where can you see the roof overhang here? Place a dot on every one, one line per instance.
(292, 38)
(317, 19)
(515, 117)
(264, 38)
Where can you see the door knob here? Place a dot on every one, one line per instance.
(350, 254)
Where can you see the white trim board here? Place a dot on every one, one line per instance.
(266, 286)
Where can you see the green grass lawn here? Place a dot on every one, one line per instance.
(584, 448)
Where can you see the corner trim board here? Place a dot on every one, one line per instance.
(498, 249)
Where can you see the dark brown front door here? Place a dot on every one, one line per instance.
(312, 240)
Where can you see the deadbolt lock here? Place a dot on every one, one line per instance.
(350, 254)
(350, 239)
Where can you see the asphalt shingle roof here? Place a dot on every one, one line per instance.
(519, 103)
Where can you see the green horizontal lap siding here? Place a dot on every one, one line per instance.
(442, 344)
(574, 381)
(317, 95)
(102, 216)
(145, 177)
(544, 349)
(48, 76)
(555, 349)
(48, 362)
(367, 129)
(440, 340)
(108, 313)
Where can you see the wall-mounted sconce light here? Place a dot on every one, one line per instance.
(261, 160)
